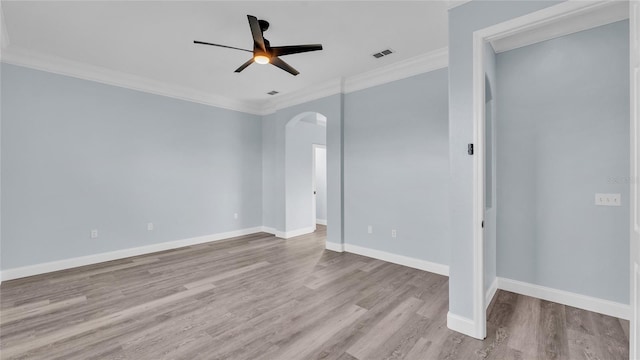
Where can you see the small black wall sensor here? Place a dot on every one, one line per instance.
(470, 149)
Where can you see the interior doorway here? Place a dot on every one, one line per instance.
(319, 185)
(520, 32)
(304, 137)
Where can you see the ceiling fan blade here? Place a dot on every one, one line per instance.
(294, 49)
(284, 66)
(244, 66)
(256, 32)
(224, 46)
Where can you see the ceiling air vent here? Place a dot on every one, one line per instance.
(382, 53)
(273, 92)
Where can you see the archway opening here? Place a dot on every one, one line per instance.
(305, 174)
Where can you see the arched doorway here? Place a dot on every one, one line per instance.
(305, 143)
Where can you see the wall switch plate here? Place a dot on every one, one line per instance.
(94, 233)
(235, 216)
(149, 226)
(393, 233)
(370, 229)
(608, 200)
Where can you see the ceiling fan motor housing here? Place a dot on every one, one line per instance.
(264, 25)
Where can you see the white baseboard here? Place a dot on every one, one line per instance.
(460, 324)
(491, 292)
(398, 259)
(338, 247)
(321, 221)
(277, 233)
(269, 230)
(589, 303)
(37, 269)
(294, 233)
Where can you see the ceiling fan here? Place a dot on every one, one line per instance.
(263, 53)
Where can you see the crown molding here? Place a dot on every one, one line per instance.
(434, 60)
(302, 96)
(602, 13)
(57, 65)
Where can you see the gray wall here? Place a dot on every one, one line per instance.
(79, 155)
(396, 167)
(300, 138)
(563, 135)
(463, 21)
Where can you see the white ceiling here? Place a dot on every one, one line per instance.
(154, 40)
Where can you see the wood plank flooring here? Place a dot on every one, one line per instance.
(260, 297)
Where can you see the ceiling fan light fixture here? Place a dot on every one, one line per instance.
(262, 59)
(263, 52)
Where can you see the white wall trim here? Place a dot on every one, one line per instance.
(276, 232)
(30, 270)
(338, 247)
(608, 12)
(293, 233)
(4, 42)
(549, 15)
(634, 62)
(460, 324)
(633, 323)
(424, 63)
(310, 93)
(321, 221)
(588, 303)
(491, 292)
(398, 259)
(402, 69)
(268, 230)
(478, 91)
(61, 66)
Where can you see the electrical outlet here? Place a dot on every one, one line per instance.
(370, 229)
(608, 200)
(94, 233)
(235, 216)
(149, 226)
(393, 233)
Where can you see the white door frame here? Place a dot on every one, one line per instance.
(315, 148)
(634, 28)
(527, 22)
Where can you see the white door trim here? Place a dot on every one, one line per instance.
(634, 240)
(521, 24)
(314, 196)
(479, 307)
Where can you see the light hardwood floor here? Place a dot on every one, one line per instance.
(260, 297)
